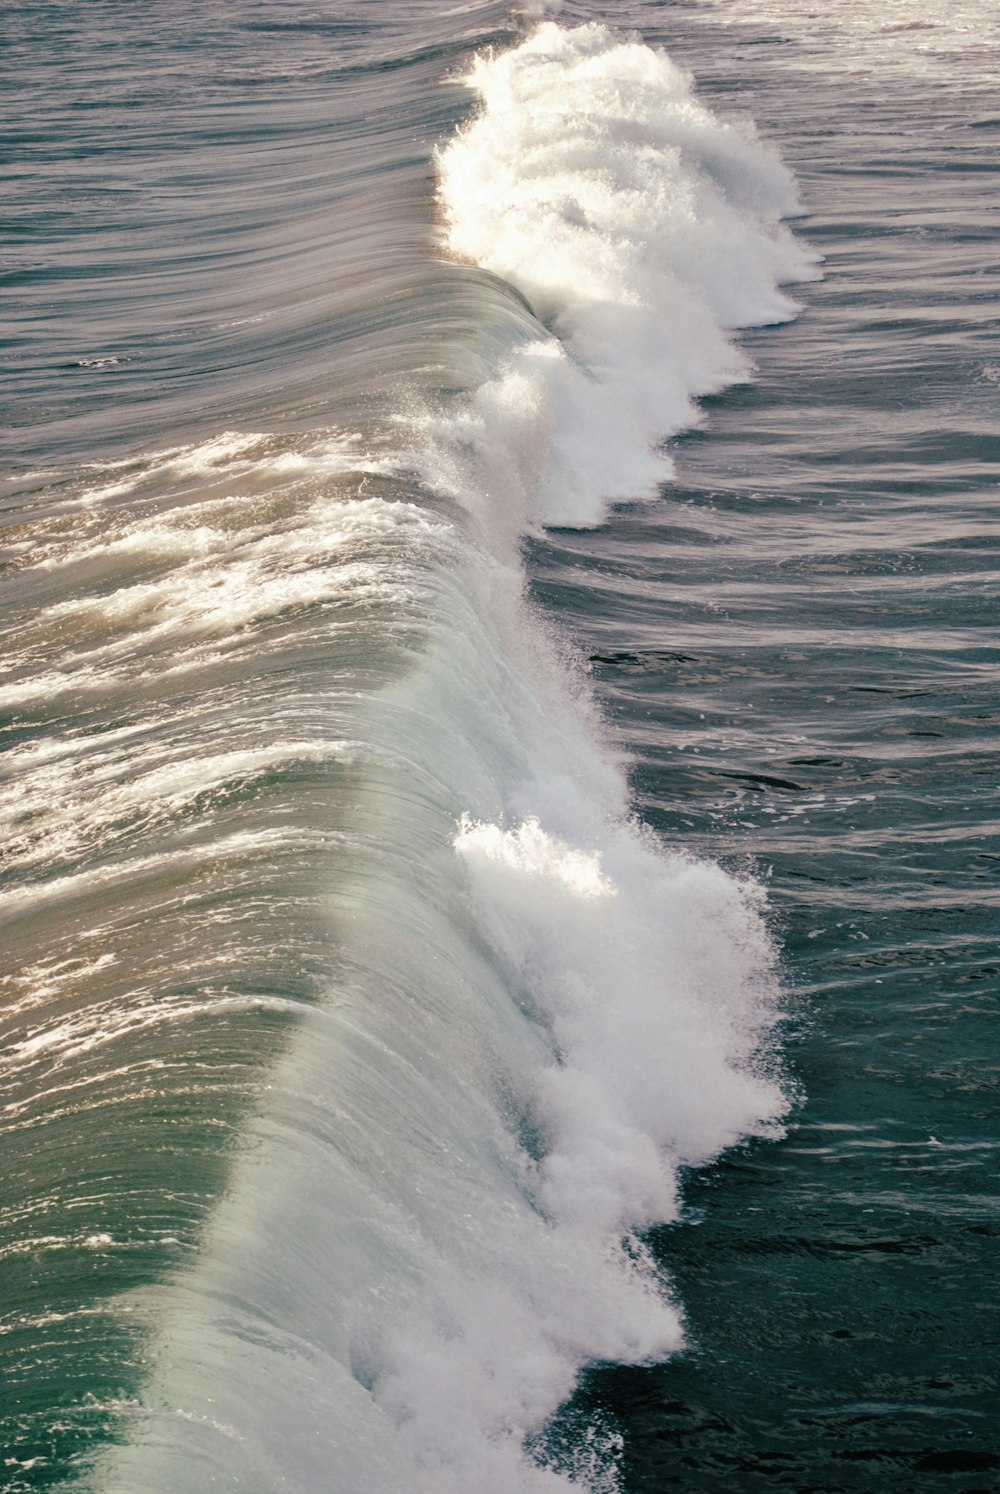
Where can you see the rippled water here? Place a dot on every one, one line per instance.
(264, 1086)
(800, 647)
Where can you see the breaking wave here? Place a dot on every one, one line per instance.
(543, 1015)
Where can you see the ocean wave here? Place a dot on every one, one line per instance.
(542, 1016)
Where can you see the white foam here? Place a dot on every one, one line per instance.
(533, 854)
(642, 230)
(651, 982)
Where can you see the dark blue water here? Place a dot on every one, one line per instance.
(275, 1209)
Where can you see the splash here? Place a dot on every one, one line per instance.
(642, 230)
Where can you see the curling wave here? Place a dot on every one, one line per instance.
(542, 1016)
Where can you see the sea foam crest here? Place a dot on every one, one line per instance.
(642, 230)
(653, 975)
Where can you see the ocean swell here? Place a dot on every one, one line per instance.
(542, 1015)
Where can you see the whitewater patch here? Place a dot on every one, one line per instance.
(655, 985)
(642, 230)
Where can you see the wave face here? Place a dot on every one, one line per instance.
(537, 1015)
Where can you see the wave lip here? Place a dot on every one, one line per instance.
(642, 230)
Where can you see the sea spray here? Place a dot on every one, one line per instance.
(540, 1015)
(642, 231)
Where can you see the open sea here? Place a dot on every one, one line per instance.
(500, 902)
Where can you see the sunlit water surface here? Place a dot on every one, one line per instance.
(278, 1022)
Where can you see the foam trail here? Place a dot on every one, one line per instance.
(543, 1016)
(642, 230)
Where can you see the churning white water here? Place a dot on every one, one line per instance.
(642, 230)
